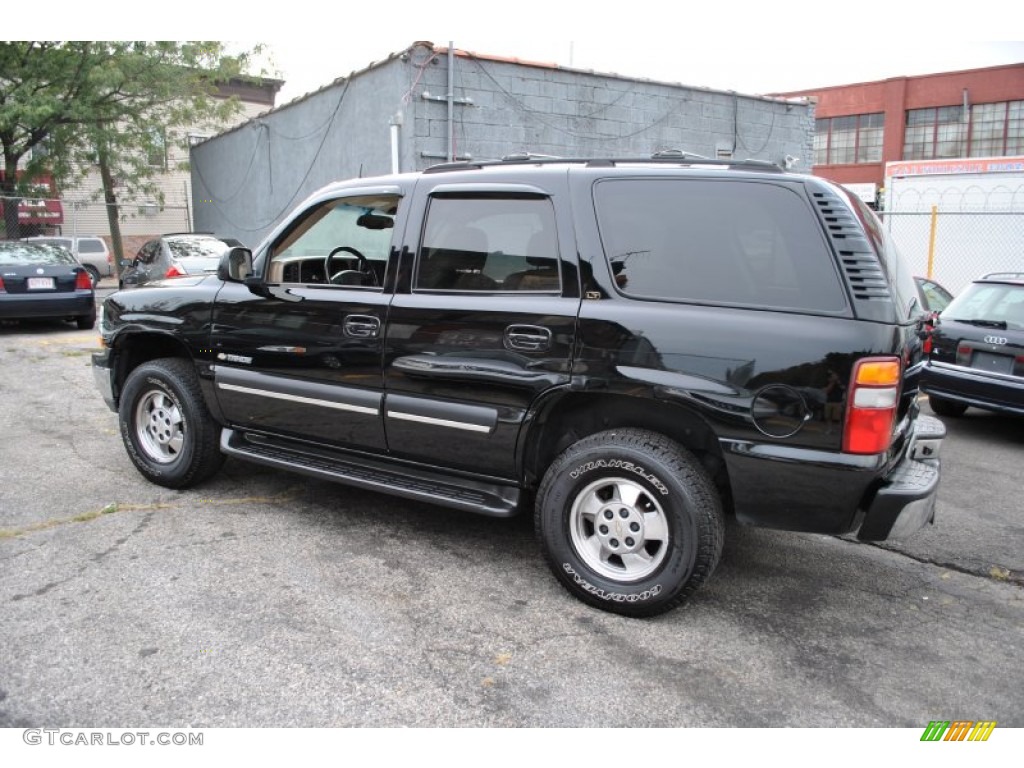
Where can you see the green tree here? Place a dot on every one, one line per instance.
(110, 104)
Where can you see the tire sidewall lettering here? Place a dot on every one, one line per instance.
(604, 594)
(622, 464)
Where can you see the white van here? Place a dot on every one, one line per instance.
(90, 250)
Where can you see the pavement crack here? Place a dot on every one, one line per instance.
(85, 517)
(991, 572)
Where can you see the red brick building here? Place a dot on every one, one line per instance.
(970, 113)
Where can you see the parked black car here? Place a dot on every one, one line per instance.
(173, 255)
(977, 349)
(632, 349)
(44, 281)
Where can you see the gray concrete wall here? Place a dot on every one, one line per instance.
(247, 180)
(572, 113)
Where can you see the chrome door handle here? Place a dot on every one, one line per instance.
(528, 338)
(362, 326)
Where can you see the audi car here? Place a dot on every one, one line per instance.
(976, 349)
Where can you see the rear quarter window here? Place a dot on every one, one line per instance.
(716, 241)
(91, 246)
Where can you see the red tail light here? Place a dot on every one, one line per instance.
(82, 281)
(2, 289)
(175, 271)
(926, 345)
(871, 405)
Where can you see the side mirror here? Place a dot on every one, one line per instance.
(235, 265)
(125, 263)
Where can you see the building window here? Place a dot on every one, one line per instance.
(849, 139)
(1015, 128)
(997, 129)
(993, 130)
(869, 138)
(935, 133)
(157, 150)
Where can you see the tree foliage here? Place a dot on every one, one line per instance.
(112, 104)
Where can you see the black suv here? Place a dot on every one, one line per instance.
(977, 349)
(634, 349)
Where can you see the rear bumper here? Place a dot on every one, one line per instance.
(24, 306)
(905, 502)
(797, 489)
(988, 391)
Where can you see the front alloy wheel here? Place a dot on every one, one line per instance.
(165, 424)
(159, 427)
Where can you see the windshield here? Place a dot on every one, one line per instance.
(997, 304)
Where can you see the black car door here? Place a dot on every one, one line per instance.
(482, 323)
(304, 358)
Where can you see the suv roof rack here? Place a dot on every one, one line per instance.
(664, 157)
(1003, 276)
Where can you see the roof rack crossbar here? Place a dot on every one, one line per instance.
(604, 162)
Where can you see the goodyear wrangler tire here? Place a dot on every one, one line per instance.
(165, 425)
(629, 522)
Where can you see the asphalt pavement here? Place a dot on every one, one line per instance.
(267, 599)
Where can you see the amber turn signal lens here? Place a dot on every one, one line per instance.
(878, 373)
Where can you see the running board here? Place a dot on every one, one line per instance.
(491, 499)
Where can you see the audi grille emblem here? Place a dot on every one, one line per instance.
(995, 340)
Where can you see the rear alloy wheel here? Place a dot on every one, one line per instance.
(946, 407)
(165, 425)
(629, 522)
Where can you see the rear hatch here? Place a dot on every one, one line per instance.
(196, 265)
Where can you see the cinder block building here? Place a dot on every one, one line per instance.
(429, 104)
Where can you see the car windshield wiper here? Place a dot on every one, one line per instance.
(983, 323)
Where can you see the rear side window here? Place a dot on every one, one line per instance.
(720, 242)
(91, 246)
(491, 244)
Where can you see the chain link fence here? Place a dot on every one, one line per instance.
(951, 247)
(955, 247)
(139, 221)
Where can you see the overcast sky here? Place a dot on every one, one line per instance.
(747, 67)
(750, 47)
